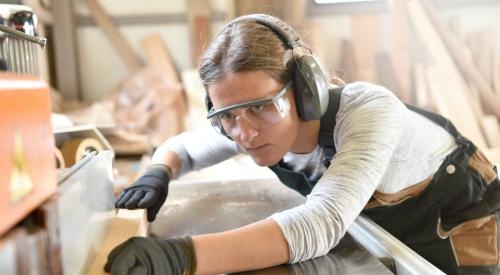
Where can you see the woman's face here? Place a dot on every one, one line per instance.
(265, 142)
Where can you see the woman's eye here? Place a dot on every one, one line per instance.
(227, 116)
(257, 108)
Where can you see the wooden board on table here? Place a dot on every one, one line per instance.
(127, 224)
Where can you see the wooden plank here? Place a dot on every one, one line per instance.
(120, 43)
(157, 56)
(496, 72)
(230, 10)
(347, 63)
(387, 76)
(65, 50)
(199, 21)
(491, 130)
(195, 92)
(310, 31)
(422, 98)
(484, 58)
(455, 26)
(297, 14)
(127, 224)
(171, 121)
(466, 66)
(399, 48)
(201, 36)
(365, 41)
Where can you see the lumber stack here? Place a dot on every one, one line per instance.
(431, 64)
(457, 87)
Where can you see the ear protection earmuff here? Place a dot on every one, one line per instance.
(310, 85)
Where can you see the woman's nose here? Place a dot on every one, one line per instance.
(247, 130)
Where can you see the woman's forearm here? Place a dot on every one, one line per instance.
(169, 158)
(254, 246)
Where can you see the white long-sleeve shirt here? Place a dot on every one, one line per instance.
(381, 145)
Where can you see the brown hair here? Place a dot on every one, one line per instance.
(244, 47)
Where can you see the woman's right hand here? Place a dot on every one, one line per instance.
(149, 191)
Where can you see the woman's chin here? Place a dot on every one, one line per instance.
(264, 162)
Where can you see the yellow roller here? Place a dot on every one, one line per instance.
(75, 149)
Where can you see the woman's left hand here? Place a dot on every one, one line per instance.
(139, 255)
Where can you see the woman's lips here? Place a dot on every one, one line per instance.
(256, 148)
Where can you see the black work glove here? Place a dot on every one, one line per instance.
(149, 191)
(139, 255)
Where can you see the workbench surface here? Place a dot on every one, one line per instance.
(207, 207)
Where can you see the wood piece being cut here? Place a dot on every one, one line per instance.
(127, 224)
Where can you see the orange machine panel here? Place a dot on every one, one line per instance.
(27, 165)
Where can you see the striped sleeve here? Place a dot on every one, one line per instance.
(369, 127)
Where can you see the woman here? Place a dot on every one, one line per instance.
(349, 149)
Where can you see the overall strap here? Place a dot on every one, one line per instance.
(298, 181)
(327, 124)
(436, 118)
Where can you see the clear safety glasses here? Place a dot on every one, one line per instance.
(256, 112)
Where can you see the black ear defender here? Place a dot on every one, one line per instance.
(310, 84)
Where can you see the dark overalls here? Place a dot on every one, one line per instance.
(450, 219)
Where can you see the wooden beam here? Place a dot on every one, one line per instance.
(496, 72)
(347, 63)
(399, 48)
(120, 43)
(171, 121)
(65, 50)
(157, 56)
(199, 20)
(365, 40)
(421, 88)
(387, 76)
(491, 130)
